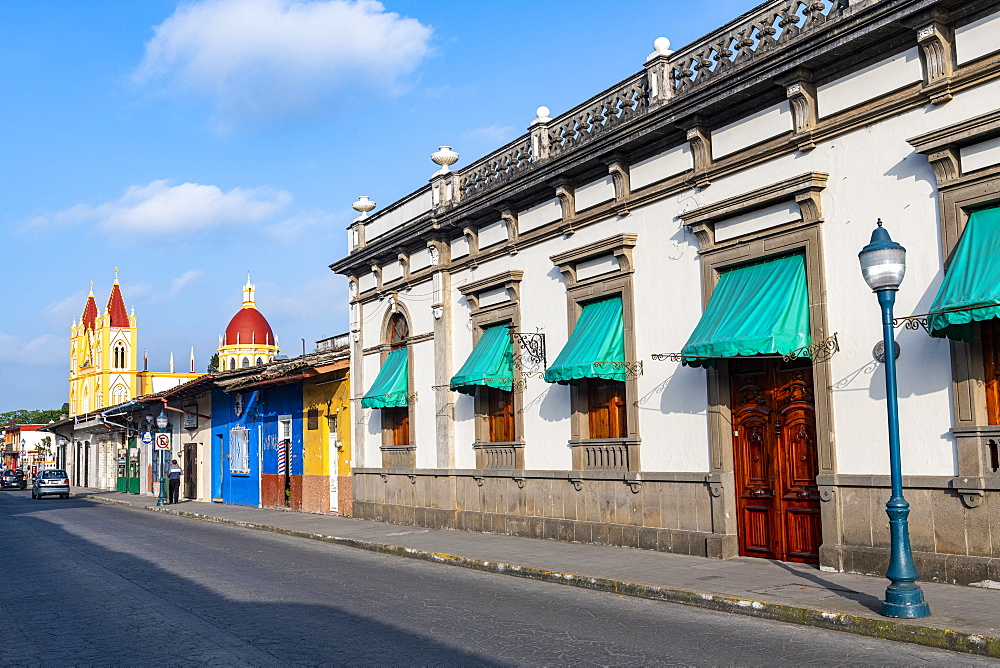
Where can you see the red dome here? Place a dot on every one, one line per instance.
(251, 327)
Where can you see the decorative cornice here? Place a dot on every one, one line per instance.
(804, 190)
(620, 246)
(965, 133)
(491, 282)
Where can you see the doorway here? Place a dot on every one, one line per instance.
(191, 471)
(775, 459)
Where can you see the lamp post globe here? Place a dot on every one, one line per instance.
(883, 265)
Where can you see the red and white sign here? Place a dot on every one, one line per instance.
(162, 442)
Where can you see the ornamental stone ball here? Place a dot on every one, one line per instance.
(661, 45)
(542, 113)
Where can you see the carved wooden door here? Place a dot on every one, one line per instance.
(774, 439)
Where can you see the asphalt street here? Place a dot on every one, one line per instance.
(88, 583)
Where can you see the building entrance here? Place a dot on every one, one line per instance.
(775, 459)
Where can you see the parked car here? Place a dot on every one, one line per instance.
(49, 482)
(13, 478)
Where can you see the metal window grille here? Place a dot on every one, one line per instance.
(239, 450)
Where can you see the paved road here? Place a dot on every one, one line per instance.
(96, 584)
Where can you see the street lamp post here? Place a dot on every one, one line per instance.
(883, 265)
(161, 424)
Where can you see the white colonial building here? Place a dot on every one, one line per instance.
(643, 322)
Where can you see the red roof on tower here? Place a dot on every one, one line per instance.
(90, 313)
(116, 307)
(251, 327)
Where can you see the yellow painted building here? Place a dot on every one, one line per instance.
(326, 442)
(103, 359)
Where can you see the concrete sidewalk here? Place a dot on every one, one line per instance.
(965, 619)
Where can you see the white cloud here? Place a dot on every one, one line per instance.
(259, 60)
(162, 209)
(184, 280)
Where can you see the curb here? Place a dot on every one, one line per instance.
(877, 628)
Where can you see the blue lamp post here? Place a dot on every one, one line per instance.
(161, 425)
(883, 264)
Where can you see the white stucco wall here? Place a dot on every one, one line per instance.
(660, 166)
(751, 130)
(868, 83)
(978, 38)
(874, 173)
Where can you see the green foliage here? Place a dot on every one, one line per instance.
(25, 416)
(213, 364)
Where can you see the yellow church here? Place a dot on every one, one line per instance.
(103, 358)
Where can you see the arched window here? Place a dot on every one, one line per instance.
(397, 420)
(246, 363)
(232, 363)
(119, 394)
(398, 331)
(118, 356)
(259, 361)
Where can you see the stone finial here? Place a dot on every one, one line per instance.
(541, 115)
(444, 156)
(661, 47)
(363, 205)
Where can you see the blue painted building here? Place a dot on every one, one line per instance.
(257, 445)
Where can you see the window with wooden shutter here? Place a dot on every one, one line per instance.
(606, 408)
(312, 418)
(991, 367)
(500, 413)
(398, 420)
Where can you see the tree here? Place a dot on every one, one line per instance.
(213, 364)
(25, 416)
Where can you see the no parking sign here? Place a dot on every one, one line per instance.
(162, 442)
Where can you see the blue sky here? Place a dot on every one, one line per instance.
(188, 143)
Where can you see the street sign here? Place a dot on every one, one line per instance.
(147, 437)
(163, 441)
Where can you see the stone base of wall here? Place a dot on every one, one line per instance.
(315, 494)
(948, 568)
(952, 540)
(665, 512)
(621, 535)
(345, 496)
(272, 492)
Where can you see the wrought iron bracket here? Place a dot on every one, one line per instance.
(664, 357)
(632, 369)
(819, 351)
(911, 322)
(532, 344)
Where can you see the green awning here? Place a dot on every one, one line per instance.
(754, 310)
(971, 287)
(391, 386)
(597, 342)
(491, 363)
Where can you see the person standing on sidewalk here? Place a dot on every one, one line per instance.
(175, 481)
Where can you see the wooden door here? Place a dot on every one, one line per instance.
(191, 471)
(775, 459)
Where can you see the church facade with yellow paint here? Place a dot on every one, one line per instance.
(104, 359)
